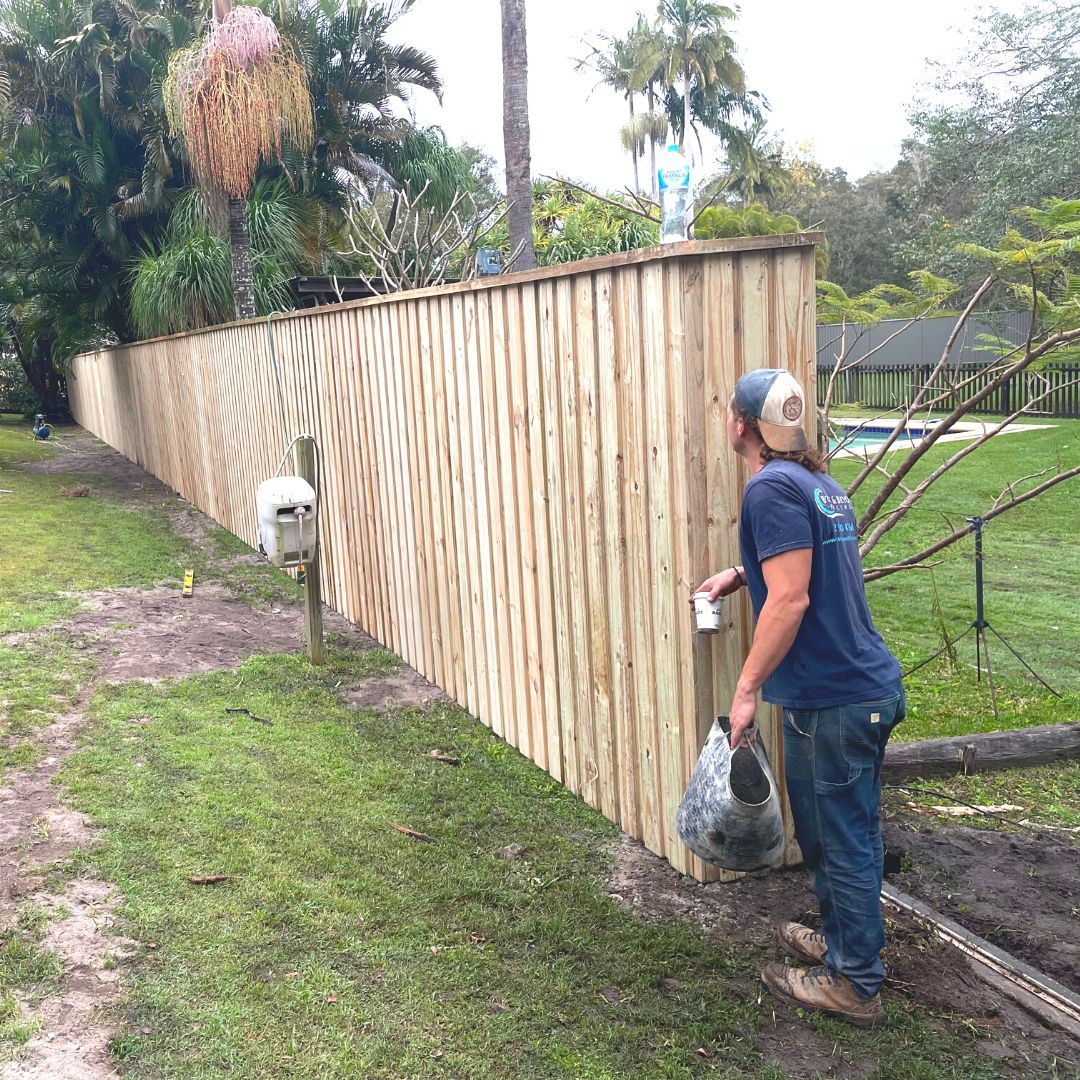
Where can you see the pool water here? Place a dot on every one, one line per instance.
(875, 435)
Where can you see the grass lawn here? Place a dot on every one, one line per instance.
(339, 946)
(1032, 567)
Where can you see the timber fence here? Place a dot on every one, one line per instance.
(522, 479)
(891, 387)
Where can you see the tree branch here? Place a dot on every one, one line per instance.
(892, 517)
(917, 400)
(945, 425)
(915, 560)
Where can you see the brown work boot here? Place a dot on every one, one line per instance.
(824, 991)
(802, 942)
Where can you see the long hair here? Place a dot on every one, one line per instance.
(808, 459)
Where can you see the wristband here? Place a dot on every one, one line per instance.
(740, 577)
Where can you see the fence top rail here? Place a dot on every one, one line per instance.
(541, 273)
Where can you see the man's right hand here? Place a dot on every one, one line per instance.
(722, 584)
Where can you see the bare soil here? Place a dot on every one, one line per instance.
(157, 634)
(403, 688)
(1020, 891)
(921, 970)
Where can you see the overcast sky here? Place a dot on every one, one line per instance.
(840, 74)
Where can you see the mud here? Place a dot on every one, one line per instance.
(156, 633)
(922, 971)
(403, 688)
(1019, 891)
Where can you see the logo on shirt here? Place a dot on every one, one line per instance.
(832, 506)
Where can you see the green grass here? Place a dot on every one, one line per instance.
(1049, 795)
(1032, 568)
(341, 947)
(27, 968)
(54, 546)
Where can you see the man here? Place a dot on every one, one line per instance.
(816, 654)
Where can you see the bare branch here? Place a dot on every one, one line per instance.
(1010, 487)
(933, 549)
(602, 198)
(885, 571)
(892, 517)
(413, 245)
(945, 425)
(912, 408)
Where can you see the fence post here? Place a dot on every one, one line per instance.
(307, 467)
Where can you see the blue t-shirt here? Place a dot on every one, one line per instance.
(838, 657)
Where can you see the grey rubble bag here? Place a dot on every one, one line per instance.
(730, 814)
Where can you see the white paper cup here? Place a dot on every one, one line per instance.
(707, 612)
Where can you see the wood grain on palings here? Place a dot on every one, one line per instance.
(522, 479)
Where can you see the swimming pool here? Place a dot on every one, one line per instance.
(873, 434)
(862, 437)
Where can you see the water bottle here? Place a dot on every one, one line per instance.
(673, 178)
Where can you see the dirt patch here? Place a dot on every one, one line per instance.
(157, 634)
(36, 832)
(1021, 892)
(74, 1043)
(805, 1055)
(99, 467)
(924, 971)
(403, 688)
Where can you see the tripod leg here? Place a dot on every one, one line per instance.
(978, 657)
(944, 649)
(989, 673)
(1022, 661)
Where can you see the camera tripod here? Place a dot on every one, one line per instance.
(981, 625)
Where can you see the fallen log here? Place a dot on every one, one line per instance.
(982, 752)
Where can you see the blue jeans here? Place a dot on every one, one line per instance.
(832, 760)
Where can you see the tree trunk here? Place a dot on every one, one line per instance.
(981, 752)
(685, 107)
(47, 382)
(633, 149)
(243, 282)
(516, 132)
(652, 148)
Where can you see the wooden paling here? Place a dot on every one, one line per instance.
(522, 480)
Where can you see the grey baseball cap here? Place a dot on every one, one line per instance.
(775, 399)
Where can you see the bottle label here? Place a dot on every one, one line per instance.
(674, 176)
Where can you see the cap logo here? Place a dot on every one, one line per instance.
(793, 407)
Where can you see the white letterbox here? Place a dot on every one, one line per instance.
(286, 508)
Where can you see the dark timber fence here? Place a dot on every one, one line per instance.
(886, 387)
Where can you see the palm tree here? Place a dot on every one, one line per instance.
(648, 49)
(699, 55)
(186, 281)
(359, 82)
(516, 131)
(613, 59)
(232, 100)
(754, 169)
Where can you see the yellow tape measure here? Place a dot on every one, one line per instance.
(189, 582)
